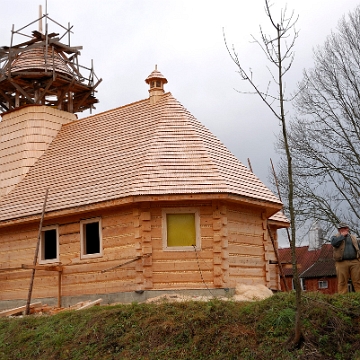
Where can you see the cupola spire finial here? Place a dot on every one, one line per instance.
(156, 80)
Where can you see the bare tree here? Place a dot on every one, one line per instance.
(278, 49)
(325, 135)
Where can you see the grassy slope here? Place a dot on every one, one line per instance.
(192, 330)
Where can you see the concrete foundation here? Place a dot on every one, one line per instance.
(123, 297)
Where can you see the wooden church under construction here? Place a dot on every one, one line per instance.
(125, 204)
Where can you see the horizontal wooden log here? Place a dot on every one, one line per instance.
(121, 219)
(181, 255)
(182, 266)
(182, 285)
(243, 271)
(170, 277)
(73, 238)
(90, 304)
(247, 261)
(117, 231)
(70, 228)
(43, 267)
(245, 239)
(101, 288)
(18, 310)
(19, 235)
(23, 244)
(246, 250)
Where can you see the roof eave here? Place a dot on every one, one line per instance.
(269, 208)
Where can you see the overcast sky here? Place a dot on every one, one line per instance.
(185, 39)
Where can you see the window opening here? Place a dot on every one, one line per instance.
(91, 238)
(49, 245)
(181, 229)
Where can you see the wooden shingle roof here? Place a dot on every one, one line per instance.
(37, 59)
(137, 149)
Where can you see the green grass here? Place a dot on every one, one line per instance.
(192, 330)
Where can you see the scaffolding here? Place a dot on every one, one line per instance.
(43, 70)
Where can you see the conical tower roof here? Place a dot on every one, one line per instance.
(156, 75)
(45, 71)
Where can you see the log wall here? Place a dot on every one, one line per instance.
(234, 248)
(250, 248)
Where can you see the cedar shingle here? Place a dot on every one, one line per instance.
(138, 149)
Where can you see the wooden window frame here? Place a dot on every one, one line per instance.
(42, 245)
(194, 211)
(83, 255)
(323, 282)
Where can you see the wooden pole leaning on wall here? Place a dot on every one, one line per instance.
(59, 289)
(278, 259)
(279, 193)
(27, 311)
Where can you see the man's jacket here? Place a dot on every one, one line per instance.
(339, 251)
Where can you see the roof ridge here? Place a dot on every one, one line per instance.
(117, 108)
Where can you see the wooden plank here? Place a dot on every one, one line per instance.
(59, 288)
(90, 304)
(18, 310)
(43, 267)
(36, 254)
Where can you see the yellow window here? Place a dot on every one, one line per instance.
(181, 229)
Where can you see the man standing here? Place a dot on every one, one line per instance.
(346, 256)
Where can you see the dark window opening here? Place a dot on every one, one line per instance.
(152, 84)
(91, 238)
(158, 84)
(49, 244)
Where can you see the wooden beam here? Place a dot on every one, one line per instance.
(69, 49)
(42, 93)
(59, 288)
(18, 310)
(90, 304)
(27, 311)
(22, 91)
(43, 267)
(123, 264)
(277, 258)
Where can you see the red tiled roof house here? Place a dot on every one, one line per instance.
(316, 268)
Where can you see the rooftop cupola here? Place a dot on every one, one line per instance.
(156, 80)
(43, 70)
